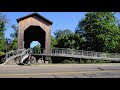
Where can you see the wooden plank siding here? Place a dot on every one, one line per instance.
(33, 21)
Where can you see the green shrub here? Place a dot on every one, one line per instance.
(66, 61)
(87, 61)
(73, 61)
(2, 53)
(81, 61)
(94, 61)
(69, 61)
(105, 61)
(98, 61)
(77, 61)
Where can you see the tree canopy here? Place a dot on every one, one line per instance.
(3, 21)
(14, 37)
(67, 39)
(100, 30)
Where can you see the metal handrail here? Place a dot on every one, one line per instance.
(12, 54)
(61, 52)
(79, 53)
(24, 53)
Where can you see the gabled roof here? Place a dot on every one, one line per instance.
(34, 14)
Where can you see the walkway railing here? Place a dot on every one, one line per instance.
(12, 54)
(22, 53)
(25, 54)
(63, 52)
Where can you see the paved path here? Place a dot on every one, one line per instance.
(111, 70)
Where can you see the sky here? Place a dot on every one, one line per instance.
(61, 20)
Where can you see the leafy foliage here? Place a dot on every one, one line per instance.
(37, 48)
(2, 53)
(59, 33)
(53, 42)
(14, 37)
(7, 44)
(69, 61)
(3, 21)
(67, 39)
(100, 31)
(14, 44)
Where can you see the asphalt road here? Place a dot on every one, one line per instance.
(111, 70)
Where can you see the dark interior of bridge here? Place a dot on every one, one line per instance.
(34, 33)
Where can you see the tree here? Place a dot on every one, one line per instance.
(66, 41)
(79, 42)
(7, 44)
(67, 32)
(13, 45)
(63, 38)
(14, 37)
(3, 21)
(36, 48)
(117, 49)
(59, 33)
(53, 42)
(100, 31)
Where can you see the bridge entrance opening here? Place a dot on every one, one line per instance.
(35, 44)
(34, 33)
(36, 47)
